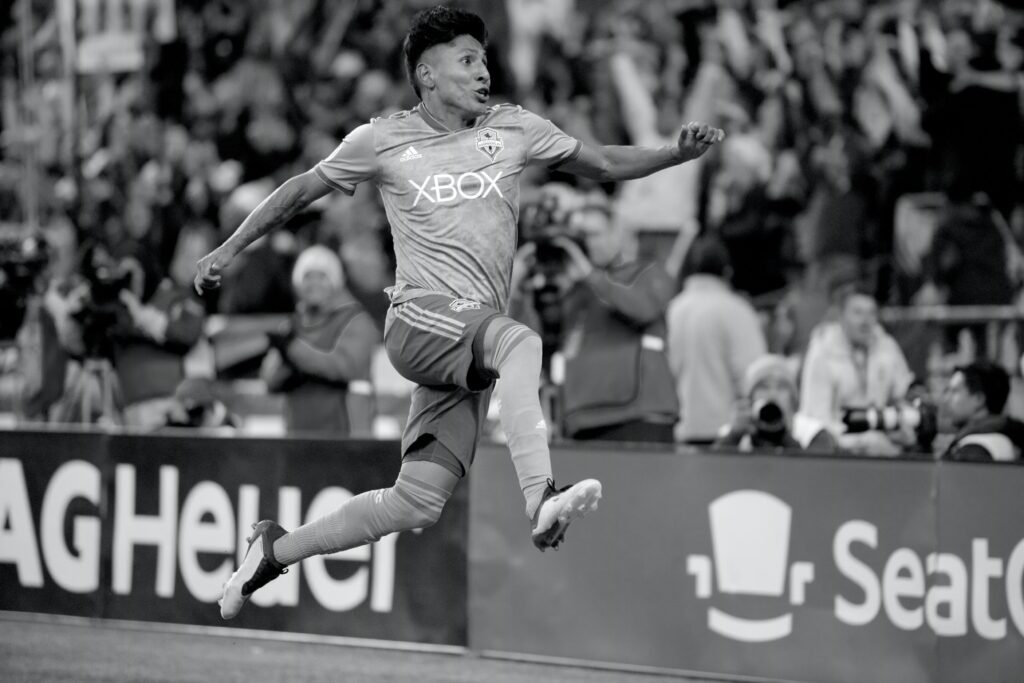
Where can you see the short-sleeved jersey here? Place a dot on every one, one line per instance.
(451, 197)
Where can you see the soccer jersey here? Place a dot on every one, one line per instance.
(451, 197)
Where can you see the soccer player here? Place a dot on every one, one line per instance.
(448, 173)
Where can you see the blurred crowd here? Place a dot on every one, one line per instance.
(873, 147)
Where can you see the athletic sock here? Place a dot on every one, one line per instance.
(414, 502)
(517, 358)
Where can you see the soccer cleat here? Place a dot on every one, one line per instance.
(558, 508)
(259, 567)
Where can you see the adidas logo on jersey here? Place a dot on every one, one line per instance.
(409, 155)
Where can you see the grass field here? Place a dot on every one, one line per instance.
(38, 649)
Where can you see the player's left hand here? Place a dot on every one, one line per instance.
(579, 266)
(696, 138)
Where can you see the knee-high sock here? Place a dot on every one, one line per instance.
(517, 358)
(414, 502)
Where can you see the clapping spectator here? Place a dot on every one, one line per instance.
(320, 359)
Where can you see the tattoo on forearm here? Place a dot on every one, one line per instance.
(274, 211)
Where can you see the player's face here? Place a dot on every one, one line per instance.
(461, 78)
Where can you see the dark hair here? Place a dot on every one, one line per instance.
(436, 26)
(707, 255)
(990, 380)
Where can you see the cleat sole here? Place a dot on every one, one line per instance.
(579, 501)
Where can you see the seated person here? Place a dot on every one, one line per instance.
(766, 416)
(973, 405)
(853, 363)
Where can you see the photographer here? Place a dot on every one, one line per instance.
(608, 314)
(766, 417)
(321, 358)
(30, 351)
(111, 331)
(973, 405)
(854, 364)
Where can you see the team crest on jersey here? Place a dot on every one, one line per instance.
(460, 305)
(489, 142)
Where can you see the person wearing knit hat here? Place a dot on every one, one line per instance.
(320, 259)
(769, 367)
(767, 417)
(320, 358)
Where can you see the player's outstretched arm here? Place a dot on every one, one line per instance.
(290, 198)
(612, 162)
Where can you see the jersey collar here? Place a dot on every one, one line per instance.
(437, 125)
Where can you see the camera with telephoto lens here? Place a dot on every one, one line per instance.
(22, 261)
(102, 309)
(918, 416)
(542, 223)
(769, 418)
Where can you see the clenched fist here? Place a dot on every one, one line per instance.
(696, 138)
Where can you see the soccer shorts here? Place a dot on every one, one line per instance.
(436, 341)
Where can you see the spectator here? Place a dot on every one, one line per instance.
(713, 335)
(321, 358)
(967, 264)
(150, 344)
(42, 362)
(767, 418)
(842, 106)
(739, 212)
(129, 354)
(973, 405)
(854, 363)
(258, 283)
(617, 386)
(661, 208)
(968, 259)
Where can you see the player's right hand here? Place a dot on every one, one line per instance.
(209, 269)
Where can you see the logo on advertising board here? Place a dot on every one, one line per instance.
(205, 521)
(945, 592)
(750, 543)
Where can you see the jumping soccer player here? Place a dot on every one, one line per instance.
(448, 173)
